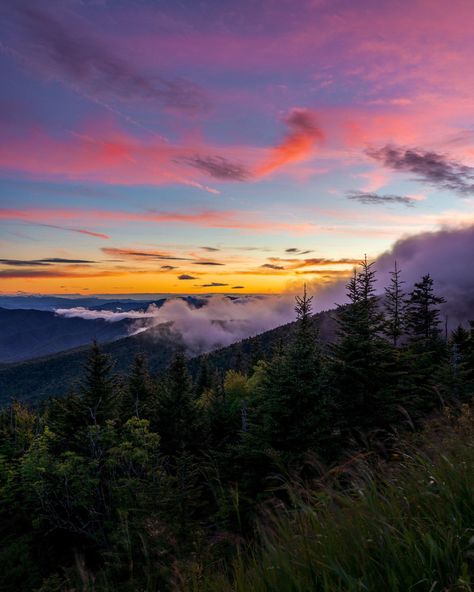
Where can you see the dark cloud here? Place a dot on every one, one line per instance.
(41, 262)
(445, 255)
(218, 167)
(29, 273)
(238, 287)
(83, 60)
(207, 263)
(430, 167)
(61, 260)
(321, 261)
(304, 121)
(142, 254)
(210, 249)
(297, 251)
(20, 263)
(185, 276)
(213, 285)
(272, 266)
(370, 198)
(168, 267)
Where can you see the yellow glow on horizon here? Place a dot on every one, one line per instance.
(124, 283)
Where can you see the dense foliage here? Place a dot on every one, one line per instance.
(139, 484)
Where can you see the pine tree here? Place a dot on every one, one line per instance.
(294, 413)
(178, 417)
(138, 391)
(395, 306)
(423, 313)
(205, 378)
(361, 360)
(98, 392)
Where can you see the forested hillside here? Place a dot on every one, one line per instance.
(296, 450)
(59, 374)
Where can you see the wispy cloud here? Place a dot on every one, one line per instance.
(207, 218)
(77, 58)
(297, 251)
(429, 167)
(272, 266)
(78, 230)
(293, 264)
(371, 198)
(141, 255)
(41, 262)
(218, 167)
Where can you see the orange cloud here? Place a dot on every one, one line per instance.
(298, 144)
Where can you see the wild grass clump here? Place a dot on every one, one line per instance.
(410, 528)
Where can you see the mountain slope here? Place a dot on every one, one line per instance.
(58, 374)
(27, 334)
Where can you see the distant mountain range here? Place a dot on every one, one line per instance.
(29, 327)
(26, 334)
(51, 303)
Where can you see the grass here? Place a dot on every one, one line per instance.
(408, 526)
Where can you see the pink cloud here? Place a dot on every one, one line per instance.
(208, 218)
(304, 132)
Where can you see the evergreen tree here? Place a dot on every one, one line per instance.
(423, 313)
(98, 389)
(205, 378)
(138, 390)
(362, 362)
(395, 306)
(293, 410)
(179, 419)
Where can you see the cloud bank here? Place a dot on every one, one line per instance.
(221, 322)
(445, 254)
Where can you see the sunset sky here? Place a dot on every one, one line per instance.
(209, 146)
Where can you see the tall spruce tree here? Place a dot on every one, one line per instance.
(423, 313)
(138, 390)
(294, 413)
(361, 360)
(395, 304)
(178, 417)
(98, 389)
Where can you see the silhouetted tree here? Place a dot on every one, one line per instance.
(138, 390)
(98, 393)
(178, 417)
(395, 306)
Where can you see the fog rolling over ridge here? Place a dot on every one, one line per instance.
(447, 255)
(223, 320)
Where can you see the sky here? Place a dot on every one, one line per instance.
(213, 146)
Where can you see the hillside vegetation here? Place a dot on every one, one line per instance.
(296, 465)
(401, 525)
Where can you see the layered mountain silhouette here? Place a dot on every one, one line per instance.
(58, 374)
